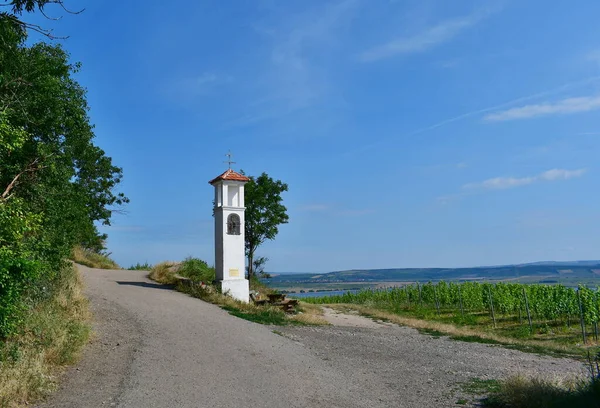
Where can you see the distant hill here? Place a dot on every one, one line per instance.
(548, 271)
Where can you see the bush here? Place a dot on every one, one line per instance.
(19, 266)
(140, 267)
(197, 270)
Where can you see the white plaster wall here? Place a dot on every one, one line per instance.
(218, 244)
(233, 245)
(233, 196)
(237, 288)
(229, 249)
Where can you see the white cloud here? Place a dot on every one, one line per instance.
(561, 174)
(566, 106)
(428, 38)
(499, 183)
(315, 207)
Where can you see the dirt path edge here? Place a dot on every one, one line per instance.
(105, 364)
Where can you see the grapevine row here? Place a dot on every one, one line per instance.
(545, 302)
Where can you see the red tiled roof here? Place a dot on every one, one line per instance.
(230, 175)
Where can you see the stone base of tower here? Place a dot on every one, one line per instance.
(238, 289)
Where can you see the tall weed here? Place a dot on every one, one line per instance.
(53, 332)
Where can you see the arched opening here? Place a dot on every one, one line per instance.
(233, 224)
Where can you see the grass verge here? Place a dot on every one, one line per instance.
(93, 259)
(469, 334)
(535, 392)
(201, 277)
(53, 333)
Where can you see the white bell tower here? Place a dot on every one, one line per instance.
(230, 259)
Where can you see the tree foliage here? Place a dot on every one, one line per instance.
(264, 213)
(55, 183)
(17, 7)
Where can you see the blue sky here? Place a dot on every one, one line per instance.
(411, 133)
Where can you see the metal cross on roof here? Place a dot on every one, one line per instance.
(229, 161)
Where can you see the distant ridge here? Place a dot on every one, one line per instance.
(562, 263)
(568, 272)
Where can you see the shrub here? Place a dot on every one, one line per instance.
(197, 270)
(140, 267)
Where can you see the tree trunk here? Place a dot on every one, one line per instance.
(250, 265)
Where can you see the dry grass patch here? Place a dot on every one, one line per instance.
(310, 314)
(535, 392)
(53, 333)
(93, 259)
(164, 272)
(465, 333)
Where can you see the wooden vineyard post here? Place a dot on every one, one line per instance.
(437, 302)
(407, 295)
(581, 316)
(420, 296)
(492, 305)
(528, 313)
(462, 310)
(520, 313)
(596, 317)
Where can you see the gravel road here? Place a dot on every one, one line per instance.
(155, 347)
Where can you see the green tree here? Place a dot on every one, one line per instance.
(264, 213)
(17, 7)
(56, 185)
(258, 267)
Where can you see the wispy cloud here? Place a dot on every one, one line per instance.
(563, 107)
(296, 74)
(474, 113)
(500, 183)
(355, 213)
(334, 210)
(205, 78)
(594, 56)
(315, 207)
(196, 85)
(427, 39)
(560, 89)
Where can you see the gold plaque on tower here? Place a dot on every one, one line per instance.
(234, 273)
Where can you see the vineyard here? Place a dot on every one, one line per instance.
(515, 310)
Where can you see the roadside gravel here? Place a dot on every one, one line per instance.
(405, 368)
